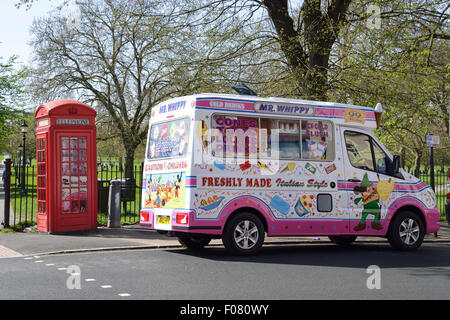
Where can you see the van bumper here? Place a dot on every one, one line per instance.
(432, 218)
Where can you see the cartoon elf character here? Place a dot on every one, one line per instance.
(371, 205)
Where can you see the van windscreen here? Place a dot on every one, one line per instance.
(168, 139)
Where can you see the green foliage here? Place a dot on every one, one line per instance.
(11, 95)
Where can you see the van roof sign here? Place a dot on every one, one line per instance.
(285, 108)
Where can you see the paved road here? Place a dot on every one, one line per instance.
(298, 272)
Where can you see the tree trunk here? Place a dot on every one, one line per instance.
(308, 62)
(129, 161)
(417, 160)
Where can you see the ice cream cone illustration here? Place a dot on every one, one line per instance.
(263, 166)
(289, 167)
(385, 188)
(202, 132)
(378, 114)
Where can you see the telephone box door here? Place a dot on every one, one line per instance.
(74, 181)
(42, 183)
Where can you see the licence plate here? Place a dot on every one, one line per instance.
(163, 220)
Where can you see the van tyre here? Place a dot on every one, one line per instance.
(244, 234)
(406, 231)
(194, 242)
(343, 240)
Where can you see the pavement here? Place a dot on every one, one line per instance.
(133, 237)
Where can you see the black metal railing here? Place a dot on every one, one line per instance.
(23, 206)
(131, 194)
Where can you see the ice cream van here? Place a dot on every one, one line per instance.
(242, 168)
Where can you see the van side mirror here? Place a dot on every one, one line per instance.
(393, 166)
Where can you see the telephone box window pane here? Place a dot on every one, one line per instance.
(73, 155)
(83, 168)
(41, 207)
(66, 181)
(74, 181)
(83, 181)
(75, 195)
(83, 143)
(83, 206)
(65, 143)
(41, 156)
(65, 194)
(65, 169)
(41, 182)
(65, 155)
(83, 155)
(74, 206)
(73, 143)
(41, 194)
(66, 206)
(74, 168)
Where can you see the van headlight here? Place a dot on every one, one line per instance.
(430, 198)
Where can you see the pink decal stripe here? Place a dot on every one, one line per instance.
(191, 182)
(398, 187)
(225, 104)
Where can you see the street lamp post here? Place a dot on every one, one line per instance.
(18, 176)
(24, 127)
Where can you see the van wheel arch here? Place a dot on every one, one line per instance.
(412, 222)
(247, 210)
(412, 209)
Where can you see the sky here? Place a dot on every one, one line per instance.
(15, 24)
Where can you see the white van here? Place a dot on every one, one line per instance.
(242, 167)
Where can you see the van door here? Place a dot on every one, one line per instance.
(369, 187)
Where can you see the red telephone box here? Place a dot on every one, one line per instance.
(66, 153)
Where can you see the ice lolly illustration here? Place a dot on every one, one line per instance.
(220, 165)
(310, 168)
(290, 167)
(280, 205)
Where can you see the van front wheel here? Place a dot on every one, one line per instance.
(244, 234)
(406, 231)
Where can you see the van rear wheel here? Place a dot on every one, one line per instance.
(244, 234)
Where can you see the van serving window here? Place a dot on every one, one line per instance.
(317, 140)
(243, 136)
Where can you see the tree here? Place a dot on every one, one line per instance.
(118, 57)
(404, 65)
(11, 96)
